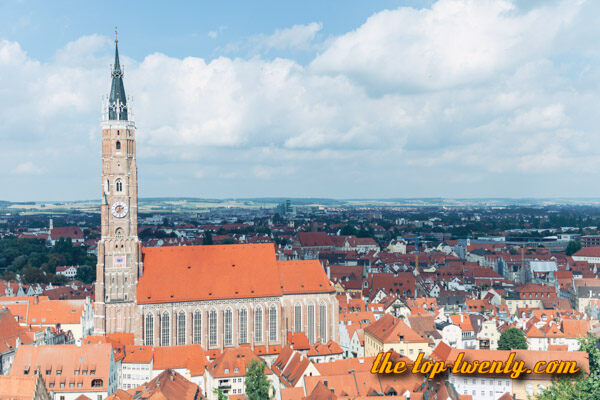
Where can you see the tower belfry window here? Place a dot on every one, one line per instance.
(118, 145)
(119, 185)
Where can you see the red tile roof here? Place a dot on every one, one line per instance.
(593, 251)
(19, 387)
(73, 232)
(67, 359)
(138, 354)
(168, 385)
(48, 312)
(315, 239)
(224, 271)
(233, 362)
(389, 329)
(303, 276)
(10, 331)
(190, 356)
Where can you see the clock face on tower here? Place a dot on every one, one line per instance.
(119, 209)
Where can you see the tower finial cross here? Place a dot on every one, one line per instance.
(116, 35)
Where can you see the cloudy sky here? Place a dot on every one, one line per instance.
(377, 99)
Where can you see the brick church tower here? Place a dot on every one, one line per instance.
(119, 249)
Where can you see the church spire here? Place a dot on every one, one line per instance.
(117, 103)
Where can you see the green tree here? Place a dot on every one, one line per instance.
(207, 239)
(512, 338)
(582, 387)
(220, 394)
(572, 248)
(257, 384)
(86, 274)
(33, 275)
(348, 230)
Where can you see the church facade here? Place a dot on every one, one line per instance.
(218, 296)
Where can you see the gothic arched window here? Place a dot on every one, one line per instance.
(228, 331)
(243, 328)
(197, 339)
(119, 185)
(119, 233)
(149, 333)
(258, 327)
(323, 322)
(298, 317)
(212, 328)
(310, 323)
(181, 328)
(118, 145)
(164, 329)
(273, 323)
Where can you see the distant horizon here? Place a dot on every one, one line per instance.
(571, 200)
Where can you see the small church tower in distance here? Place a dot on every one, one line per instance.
(119, 249)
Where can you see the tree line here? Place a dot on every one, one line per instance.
(35, 262)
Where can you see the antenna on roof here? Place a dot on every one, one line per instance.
(116, 35)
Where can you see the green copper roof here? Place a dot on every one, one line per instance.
(117, 103)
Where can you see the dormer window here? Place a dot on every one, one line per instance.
(97, 383)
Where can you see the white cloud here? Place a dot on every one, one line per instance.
(27, 168)
(216, 32)
(412, 102)
(294, 38)
(297, 37)
(456, 42)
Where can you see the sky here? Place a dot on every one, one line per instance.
(338, 99)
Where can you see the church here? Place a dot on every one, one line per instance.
(218, 296)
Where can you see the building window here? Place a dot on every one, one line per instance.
(227, 334)
(258, 327)
(118, 145)
(181, 328)
(97, 383)
(212, 328)
(197, 339)
(149, 333)
(119, 185)
(243, 326)
(311, 323)
(273, 323)
(164, 329)
(323, 322)
(298, 318)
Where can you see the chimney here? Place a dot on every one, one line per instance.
(328, 272)
(461, 318)
(36, 299)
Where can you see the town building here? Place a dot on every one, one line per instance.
(241, 294)
(70, 371)
(23, 388)
(168, 385)
(389, 333)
